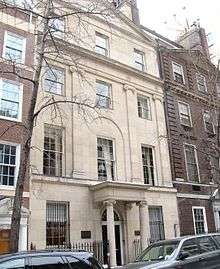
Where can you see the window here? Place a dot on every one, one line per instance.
(57, 224)
(156, 224)
(57, 27)
(103, 94)
(106, 161)
(201, 82)
(148, 165)
(144, 107)
(206, 244)
(208, 121)
(199, 218)
(13, 264)
(54, 80)
(86, 264)
(215, 168)
(191, 163)
(185, 114)
(10, 100)
(8, 164)
(190, 246)
(101, 44)
(53, 151)
(178, 73)
(14, 47)
(139, 60)
(48, 262)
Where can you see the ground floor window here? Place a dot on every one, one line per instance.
(156, 224)
(57, 224)
(199, 219)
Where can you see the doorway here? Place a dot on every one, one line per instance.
(118, 239)
(4, 241)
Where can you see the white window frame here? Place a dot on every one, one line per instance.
(149, 106)
(182, 73)
(190, 114)
(197, 80)
(154, 161)
(212, 122)
(23, 47)
(136, 51)
(204, 215)
(64, 78)
(197, 163)
(17, 164)
(110, 96)
(114, 156)
(106, 38)
(19, 119)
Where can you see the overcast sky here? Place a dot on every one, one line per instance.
(168, 17)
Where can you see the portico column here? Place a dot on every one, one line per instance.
(144, 224)
(111, 232)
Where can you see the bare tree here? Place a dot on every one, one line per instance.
(54, 41)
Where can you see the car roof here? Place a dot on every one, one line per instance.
(78, 254)
(183, 238)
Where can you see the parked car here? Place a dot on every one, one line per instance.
(197, 252)
(49, 260)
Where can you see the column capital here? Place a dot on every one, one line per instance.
(157, 98)
(77, 69)
(128, 206)
(142, 204)
(109, 203)
(129, 88)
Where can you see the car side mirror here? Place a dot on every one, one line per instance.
(183, 255)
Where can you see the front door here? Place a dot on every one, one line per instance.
(4, 241)
(117, 244)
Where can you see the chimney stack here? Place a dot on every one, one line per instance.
(195, 39)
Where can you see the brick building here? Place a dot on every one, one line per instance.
(191, 100)
(16, 52)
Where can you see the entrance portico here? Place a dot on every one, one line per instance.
(111, 194)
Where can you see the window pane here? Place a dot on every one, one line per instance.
(206, 244)
(144, 107)
(148, 165)
(9, 102)
(103, 95)
(191, 163)
(106, 162)
(54, 80)
(191, 247)
(53, 151)
(7, 164)
(156, 224)
(101, 44)
(14, 47)
(57, 224)
(13, 264)
(49, 262)
(199, 220)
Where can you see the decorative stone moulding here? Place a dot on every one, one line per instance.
(129, 88)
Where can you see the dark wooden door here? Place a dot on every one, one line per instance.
(4, 241)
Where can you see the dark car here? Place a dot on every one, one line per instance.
(49, 260)
(196, 252)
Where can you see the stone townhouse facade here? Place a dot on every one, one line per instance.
(107, 179)
(191, 106)
(16, 45)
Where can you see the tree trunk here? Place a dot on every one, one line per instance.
(27, 135)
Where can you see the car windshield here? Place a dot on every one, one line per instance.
(159, 251)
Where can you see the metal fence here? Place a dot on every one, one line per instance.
(96, 247)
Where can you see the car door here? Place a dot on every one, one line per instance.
(13, 263)
(210, 258)
(193, 261)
